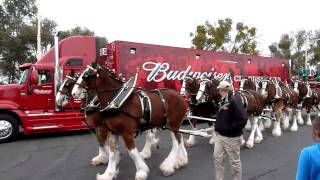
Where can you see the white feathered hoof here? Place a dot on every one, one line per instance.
(294, 128)
(145, 154)
(258, 140)
(107, 176)
(249, 144)
(212, 141)
(248, 126)
(167, 170)
(243, 142)
(99, 160)
(276, 133)
(261, 127)
(300, 120)
(286, 125)
(141, 175)
(155, 143)
(309, 123)
(189, 142)
(267, 124)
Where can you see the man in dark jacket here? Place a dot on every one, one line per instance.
(231, 119)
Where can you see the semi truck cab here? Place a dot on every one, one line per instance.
(29, 105)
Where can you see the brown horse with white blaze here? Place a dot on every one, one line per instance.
(190, 87)
(252, 101)
(95, 119)
(168, 112)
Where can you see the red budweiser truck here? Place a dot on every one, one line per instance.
(29, 106)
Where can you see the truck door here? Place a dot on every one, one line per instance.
(41, 96)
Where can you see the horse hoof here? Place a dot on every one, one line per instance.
(249, 144)
(294, 128)
(243, 142)
(99, 160)
(108, 176)
(166, 169)
(276, 134)
(257, 140)
(309, 123)
(212, 141)
(141, 175)
(155, 143)
(145, 155)
(189, 143)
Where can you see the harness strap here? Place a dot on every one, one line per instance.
(165, 109)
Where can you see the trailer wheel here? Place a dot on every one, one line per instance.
(9, 128)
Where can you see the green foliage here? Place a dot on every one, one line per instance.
(18, 36)
(218, 37)
(294, 46)
(80, 31)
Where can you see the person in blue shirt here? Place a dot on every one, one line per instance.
(309, 160)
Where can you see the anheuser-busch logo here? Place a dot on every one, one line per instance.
(161, 71)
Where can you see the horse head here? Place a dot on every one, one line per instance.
(64, 92)
(268, 89)
(97, 79)
(207, 90)
(249, 85)
(189, 85)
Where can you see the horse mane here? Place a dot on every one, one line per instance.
(113, 74)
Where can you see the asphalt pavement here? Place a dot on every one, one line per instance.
(66, 156)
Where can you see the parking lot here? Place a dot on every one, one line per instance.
(67, 156)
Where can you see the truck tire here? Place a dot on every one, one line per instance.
(9, 128)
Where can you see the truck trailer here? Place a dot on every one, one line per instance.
(29, 106)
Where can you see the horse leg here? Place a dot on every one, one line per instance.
(285, 120)
(213, 136)
(250, 142)
(299, 116)
(172, 161)
(102, 157)
(294, 126)
(114, 158)
(141, 166)
(243, 141)
(191, 140)
(259, 136)
(151, 141)
(268, 122)
(248, 126)
(309, 122)
(261, 125)
(277, 128)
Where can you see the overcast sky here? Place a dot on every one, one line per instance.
(169, 22)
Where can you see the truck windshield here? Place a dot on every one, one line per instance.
(24, 76)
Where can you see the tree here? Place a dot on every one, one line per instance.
(18, 35)
(218, 37)
(293, 46)
(82, 31)
(315, 48)
(18, 32)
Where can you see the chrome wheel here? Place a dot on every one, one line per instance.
(5, 129)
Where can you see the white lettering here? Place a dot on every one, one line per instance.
(41, 91)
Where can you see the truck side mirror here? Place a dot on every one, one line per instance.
(34, 77)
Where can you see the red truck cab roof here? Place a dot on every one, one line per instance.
(75, 47)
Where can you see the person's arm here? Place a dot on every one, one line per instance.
(239, 114)
(303, 167)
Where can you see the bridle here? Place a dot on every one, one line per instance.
(68, 78)
(205, 93)
(95, 73)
